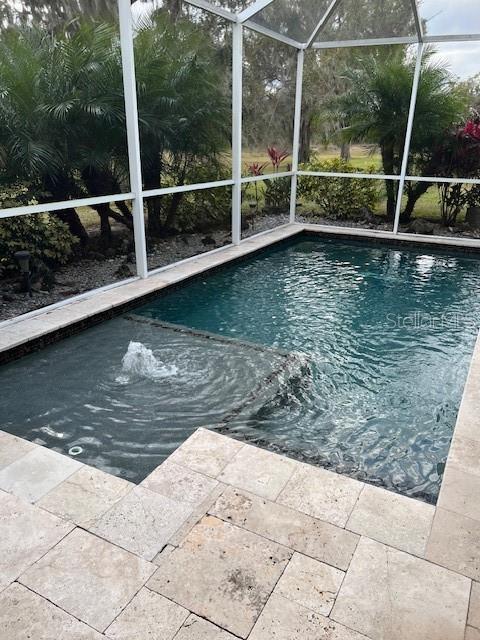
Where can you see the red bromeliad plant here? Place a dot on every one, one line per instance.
(471, 129)
(276, 156)
(256, 169)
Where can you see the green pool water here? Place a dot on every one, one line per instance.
(349, 355)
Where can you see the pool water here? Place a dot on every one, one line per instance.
(345, 354)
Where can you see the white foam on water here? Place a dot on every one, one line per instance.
(139, 361)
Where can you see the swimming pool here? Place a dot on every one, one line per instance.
(345, 354)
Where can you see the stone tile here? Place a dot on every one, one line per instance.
(261, 472)
(321, 494)
(196, 628)
(393, 519)
(197, 514)
(390, 595)
(26, 534)
(179, 483)
(24, 615)
(455, 543)
(206, 452)
(149, 616)
(142, 522)
(468, 420)
(474, 608)
(310, 583)
(459, 493)
(286, 526)
(160, 558)
(88, 577)
(284, 619)
(464, 455)
(222, 573)
(36, 473)
(13, 448)
(85, 496)
(472, 634)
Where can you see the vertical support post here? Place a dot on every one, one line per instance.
(133, 136)
(237, 70)
(408, 135)
(297, 120)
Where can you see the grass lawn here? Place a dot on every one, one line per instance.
(361, 158)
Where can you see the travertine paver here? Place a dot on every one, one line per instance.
(261, 472)
(455, 543)
(149, 616)
(142, 522)
(206, 452)
(26, 534)
(390, 595)
(12, 448)
(474, 608)
(310, 583)
(197, 514)
(464, 455)
(196, 628)
(284, 619)
(321, 494)
(472, 634)
(179, 483)
(222, 573)
(468, 425)
(88, 577)
(36, 473)
(286, 526)
(25, 615)
(460, 492)
(85, 496)
(396, 520)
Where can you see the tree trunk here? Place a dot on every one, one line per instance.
(413, 195)
(388, 166)
(71, 218)
(304, 150)
(103, 211)
(172, 211)
(345, 152)
(62, 188)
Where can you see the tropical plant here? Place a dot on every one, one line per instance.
(255, 169)
(44, 236)
(377, 104)
(62, 115)
(339, 198)
(277, 156)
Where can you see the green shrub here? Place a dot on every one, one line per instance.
(277, 194)
(48, 240)
(339, 198)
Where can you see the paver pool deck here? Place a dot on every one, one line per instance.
(225, 540)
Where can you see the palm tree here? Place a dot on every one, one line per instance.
(62, 114)
(377, 102)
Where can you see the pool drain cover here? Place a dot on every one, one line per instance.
(75, 451)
